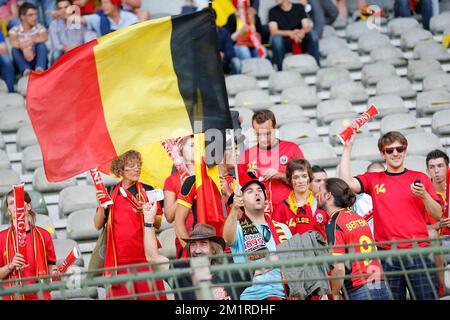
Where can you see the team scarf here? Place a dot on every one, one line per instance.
(310, 201)
(110, 255)
(40, 257)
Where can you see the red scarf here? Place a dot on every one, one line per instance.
(40, 257)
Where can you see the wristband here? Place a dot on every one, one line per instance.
(149, 225)
(9, 268)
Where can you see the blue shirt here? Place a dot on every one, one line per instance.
(126, 19)
(2, 39)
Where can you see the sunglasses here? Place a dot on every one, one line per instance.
(266, 233)
(390, 150)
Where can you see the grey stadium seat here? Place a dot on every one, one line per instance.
(440, 123)
(398, 26)
(338, 125)
(11, 100)
(63, 248)
(302, 96)
(7, 179)
(419, 69)
(22, 85)
(321, 154)
(246, 114)
(351, 91)
(416, 163)
(302, 63)
(76, 198)
(357, 167)
(420, 144)
(167, 239)
(440, 22)
(31, 158)
(354, 30)
(366, 149)
(287, 113)
(253, 99)
(45, 222)
(40, 182)
(80, 225)
(330, 110)
(107, 180)
(328, 31)
(412, 37)
(257, 67)
(374, 72)
(25, 137)
(371, 40)
(331, 44)
(437, 81)
(432, 101)
(431, 50)
(327, 77)
(11, 119)
(388, 104)
(3, 86)
(344, 58)
(2, 142)
(396, 86)
(389, 54)
(278, 81)
(403, 122)
(299, 133)
(4, 160)
(240, 82)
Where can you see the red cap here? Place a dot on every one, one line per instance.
(245, 180)
(116, 2)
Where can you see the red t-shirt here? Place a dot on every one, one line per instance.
(173, 183)
(89, 8)
(346, 228)
(186, 197)
(276, 158)
(398, 214)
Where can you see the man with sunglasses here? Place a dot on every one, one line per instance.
(252, 233)
(402, 199)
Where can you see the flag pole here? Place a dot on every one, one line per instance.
(235, 160)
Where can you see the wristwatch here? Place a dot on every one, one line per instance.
(149, 225)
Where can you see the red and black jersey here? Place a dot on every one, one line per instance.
(398, 214)
(348, 228)
(187, 198)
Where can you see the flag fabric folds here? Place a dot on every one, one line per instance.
(223, 8)
(155, 80)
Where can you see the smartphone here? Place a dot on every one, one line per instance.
(155, 195)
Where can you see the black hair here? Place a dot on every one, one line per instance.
(436, 154)
(343, 195)
(315, 169)
(24, 7)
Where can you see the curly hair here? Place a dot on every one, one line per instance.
(118, 165)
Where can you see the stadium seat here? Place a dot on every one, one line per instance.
(388, 104)
(167, 239)
(287, 113)
(2, 142)
(357, 167)
(344, 58)
(80, 225)
(331, 44)
(339, 23)
(302, 63)
(278, 81)
(374, 72)
(351, 91)
(432, 101)
(403, 122)
(25, 137)
(3, 87)
(411, 38)
(396, 27)
(371, 40)
(366, 149)
(11, 100)
(246, 115)
(253, 99)
(107, 180)
(76, 198)
(419, 69)
(419, 144)
(90, 293)
(302, 96)
(427, 50)
(7, 179)
(330, 110)
(257, 67)
(437, 81)
(45, 222)
(354, 30)
(40, 182)
(11, 119)
(416, 163)
(320, 153)
(396, 86)
(4, 160)
(328, 31)
(336, 127)
(440, 123)
(63, 248)
(31, 158)
(439, 22)
(240, 82)
(327, 77)
(389, 54)
(22, 86)
(299, 133)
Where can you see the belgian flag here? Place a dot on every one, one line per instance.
(155, 80)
